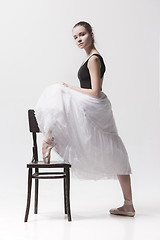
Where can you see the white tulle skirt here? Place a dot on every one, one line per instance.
(84, 132)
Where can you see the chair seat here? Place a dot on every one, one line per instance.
(52, 164)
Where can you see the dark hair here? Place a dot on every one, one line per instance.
(87, 26)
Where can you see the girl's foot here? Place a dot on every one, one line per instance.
(126, 210)
(46, 149)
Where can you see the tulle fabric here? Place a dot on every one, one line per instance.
(84, 132)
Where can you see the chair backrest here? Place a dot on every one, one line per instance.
(33, 127)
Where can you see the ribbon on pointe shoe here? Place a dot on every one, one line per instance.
(49, 141)
(128, 202)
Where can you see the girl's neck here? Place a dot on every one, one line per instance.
(91, 50)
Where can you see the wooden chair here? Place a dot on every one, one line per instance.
(36, 165)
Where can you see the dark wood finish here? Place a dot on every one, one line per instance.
(37, 165)
(35, 148)
(64, 185)
(36, 192)
(29, 194)
(68, 193)
(33, 125)
(41, 164)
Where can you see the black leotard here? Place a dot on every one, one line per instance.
(84, 75)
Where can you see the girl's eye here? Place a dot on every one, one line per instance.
(82, 34)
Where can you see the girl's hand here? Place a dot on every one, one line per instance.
(63, 83)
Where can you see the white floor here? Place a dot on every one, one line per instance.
(90, 204)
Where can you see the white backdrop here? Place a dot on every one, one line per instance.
(37, 49)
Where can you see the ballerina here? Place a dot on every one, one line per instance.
(79, 123)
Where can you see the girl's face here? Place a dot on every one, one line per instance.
(82, 37)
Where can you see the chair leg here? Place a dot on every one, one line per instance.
(29, 194)
(68, 194)
(64, 184)
(36, 193)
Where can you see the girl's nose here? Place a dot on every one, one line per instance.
(79, 39)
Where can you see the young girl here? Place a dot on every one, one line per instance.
(78, 122)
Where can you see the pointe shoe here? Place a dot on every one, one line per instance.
(117, 211)
(46, 149)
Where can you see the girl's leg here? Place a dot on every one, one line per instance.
(48, 144)
(127, 209)
(125, 183)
